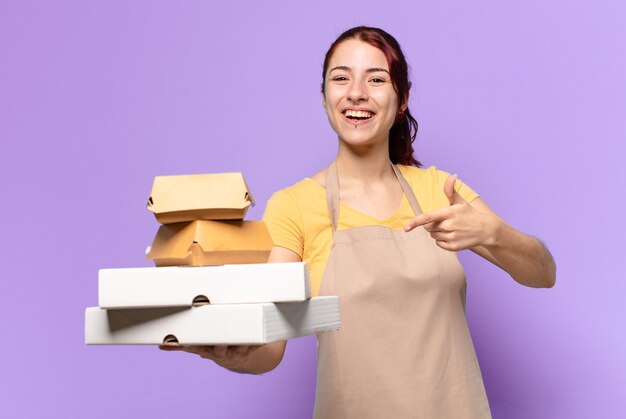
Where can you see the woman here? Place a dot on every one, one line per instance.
(382, 237)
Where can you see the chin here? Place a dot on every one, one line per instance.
(358, 141)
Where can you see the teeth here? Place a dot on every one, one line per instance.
(359, 114)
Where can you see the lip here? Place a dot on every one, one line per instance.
(357, 108)
(356, 122)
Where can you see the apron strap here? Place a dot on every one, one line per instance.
(332, 193)
(407, 191)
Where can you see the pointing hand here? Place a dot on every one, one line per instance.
(458, 226)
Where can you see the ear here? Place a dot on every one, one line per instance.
(324, 101)
(405, 103)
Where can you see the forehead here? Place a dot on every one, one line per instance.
(357, 55)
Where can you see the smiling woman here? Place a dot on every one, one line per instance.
(360, 99)
(393, 71)
(382, 234)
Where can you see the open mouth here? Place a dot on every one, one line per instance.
(358, 116)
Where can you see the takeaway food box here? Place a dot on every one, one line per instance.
(205, 242)
(181, 198)
(183, 286)
(241, 300)
(212, 324)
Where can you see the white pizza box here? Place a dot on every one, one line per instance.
(185, 285)
(220, 324)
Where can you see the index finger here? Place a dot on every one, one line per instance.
(427, 218)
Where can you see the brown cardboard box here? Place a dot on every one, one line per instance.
(218, 196)
(204, 242)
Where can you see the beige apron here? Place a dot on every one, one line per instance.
(404, 348)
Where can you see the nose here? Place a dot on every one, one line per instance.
(358, 91)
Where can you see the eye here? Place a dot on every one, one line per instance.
(340, 79)
(377, 80)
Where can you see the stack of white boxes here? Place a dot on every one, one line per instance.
(211, 285)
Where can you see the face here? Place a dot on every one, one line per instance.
(359, 97)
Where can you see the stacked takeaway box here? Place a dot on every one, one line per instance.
(211, 284)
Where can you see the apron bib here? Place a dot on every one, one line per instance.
(404, 348)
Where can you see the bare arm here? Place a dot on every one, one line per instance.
(246, 359)
(475, 226)
(525, 258)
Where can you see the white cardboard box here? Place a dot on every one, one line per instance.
(181, 285)
(222, 324)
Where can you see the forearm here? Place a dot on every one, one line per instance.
(244, 358)
(267, 357)
(263, 359)
(525, 258)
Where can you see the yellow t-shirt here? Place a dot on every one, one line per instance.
(297, 217)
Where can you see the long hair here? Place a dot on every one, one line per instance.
(402, 133)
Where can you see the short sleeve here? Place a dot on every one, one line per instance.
(465, 191)
(284, 222)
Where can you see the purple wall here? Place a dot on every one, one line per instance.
(525, 101)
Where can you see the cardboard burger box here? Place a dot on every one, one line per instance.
(204, 242)
(212, 324)
(217, 196)
(187, 286)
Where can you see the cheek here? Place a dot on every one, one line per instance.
(332, 112)
(394, 104)
(333, 97)
(390, 108)
(387, 100)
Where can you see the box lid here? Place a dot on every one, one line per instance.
(182, 286)
(215, 196)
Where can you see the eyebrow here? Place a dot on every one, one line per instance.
(369, 70)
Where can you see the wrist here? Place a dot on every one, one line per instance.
(498, 233)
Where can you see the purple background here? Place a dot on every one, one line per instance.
(525, 101)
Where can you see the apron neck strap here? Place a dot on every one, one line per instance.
(407, 191)
(332, 193)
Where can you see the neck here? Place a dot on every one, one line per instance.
(369, 164)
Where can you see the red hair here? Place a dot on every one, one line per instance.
(402, 133)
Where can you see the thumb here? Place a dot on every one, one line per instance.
(451, 193)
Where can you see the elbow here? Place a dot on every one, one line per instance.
(549, 282)
(551, 279)
(547, 279)
(551, 274)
